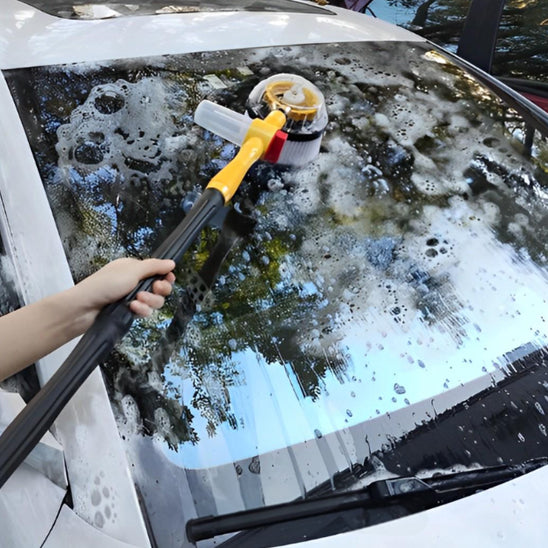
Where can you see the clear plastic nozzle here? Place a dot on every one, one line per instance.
(222, 121)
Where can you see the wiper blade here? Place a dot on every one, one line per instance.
(417, 493)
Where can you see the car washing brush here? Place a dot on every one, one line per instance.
(303, 105)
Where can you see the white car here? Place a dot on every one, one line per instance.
(356, 346)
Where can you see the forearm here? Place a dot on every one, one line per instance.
(34, 331)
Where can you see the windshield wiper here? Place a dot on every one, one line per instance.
(414, 493)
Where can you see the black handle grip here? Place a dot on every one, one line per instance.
(112, 323)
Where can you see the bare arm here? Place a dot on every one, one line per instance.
(39, 328)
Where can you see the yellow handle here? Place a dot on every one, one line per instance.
(257, 140)
(229, 178)
(267, 128)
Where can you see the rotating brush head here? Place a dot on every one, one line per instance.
(304, 106)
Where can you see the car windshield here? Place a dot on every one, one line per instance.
(86, 9)
(396, 275)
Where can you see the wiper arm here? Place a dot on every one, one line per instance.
(421, 494)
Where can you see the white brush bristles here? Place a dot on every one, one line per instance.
(299, 153)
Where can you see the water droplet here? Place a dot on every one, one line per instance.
(99, 520)
(255, 466)
(95, 497)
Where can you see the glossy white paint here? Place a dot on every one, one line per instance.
(29, 505)
(29, 37)
(47, 457)
(41, 478)
(69, 527)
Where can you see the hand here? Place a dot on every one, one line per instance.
(118, 278)
(32, 331)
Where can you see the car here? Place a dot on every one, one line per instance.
(357, 342)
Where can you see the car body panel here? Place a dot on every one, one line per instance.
(37, 38)
(42, 269)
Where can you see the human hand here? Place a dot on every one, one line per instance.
(118, 278)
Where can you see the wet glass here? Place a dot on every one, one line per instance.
(407, 260)
(8, 295)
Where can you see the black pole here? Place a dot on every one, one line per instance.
(113, 322)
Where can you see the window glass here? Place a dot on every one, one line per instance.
(85, 9)
(408, 259)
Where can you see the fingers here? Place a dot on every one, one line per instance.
(119, 277)
(155, 267)
(146, 302)
(164, 287)
(140, 309)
